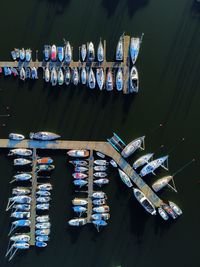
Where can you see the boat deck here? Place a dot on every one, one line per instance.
(125, 64)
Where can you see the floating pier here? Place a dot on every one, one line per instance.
(90, 186)
(124, 64)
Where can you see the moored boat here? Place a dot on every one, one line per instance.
(153, 165)
(175, 208)
(43, 232)
(79, 209)
(68, 52)
(47, 52)
(125, 178)
(81, 169)
(134, 80)
(109, 81)
(43, 206)
(162, 182)
(101, 209)
(22, 54)
(47, 74)
(78, 153)
(99, 194)
(147, 205)
(99, 201)
(22, 74)
(119, 80)
(79, 201)
(101, 155)
(83, 52)
(43, 193)
(100, 168)
(44, 136)
(80, 182)
(77, 221)
(16, 136)
(20, 237)
(91, 79)
(169, 210)
(43, 199)
(34, 74)
(134, 48)
(98, 223)
(22, 176)
(163, 214)
(13, 55)
(100, 216)
(100, 77)
(79, 175)
(44, 225)
(101, 162)
(101, 181)
(45, 167)
(42, 238)
(45, 160)
(22, 199)
(83, 75)
(46, 186)
(100, 52)
(22, 207)
(142, 160)
(60, 77)
(20, 152)
(67, 76)
(120, 48)
(20, 214)
(90, 52)
(54, 77)
(28, 56)
(21, 191)
(79, 162)
(21, 162)
(53, 53)
(40, 244)
(100, 174)
(113, 163)
(60, 50)
(133, 146)
(75, 76)
(28, 73)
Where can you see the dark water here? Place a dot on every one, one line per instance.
(168, 66)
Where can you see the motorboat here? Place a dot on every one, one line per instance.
(100, 216)
(100, 174)
(20, 152)
(40, 244)
(109, 81)
(47, 52)
(47, 74)
(68, 52)
(134, 48)
(7, 71)
(67, 76)
(153, 165)
(20, 214)
(142, 160)
(101, 209)
(78, 153)
(90, 52)
(44, 136)
(53, 53)
(75, 76)
(162, 182)
(169, 210)
(43, 193)
(60, 77)
(43, 206)
(120, 48)
(28, 73)
(45, 160)
(21, 191)
(43, 199)
(113, 163)
(20, 237)
(15, 71)
(46, 186)
(45, 167)
(43, 232)
(101, 155)
(175, 208)
(147, 205)
(83, 52)
(99, 194)
(101, 162)
(44, 225)
(22, 54)
(22, 199)
(101, 181)
(125, 178)
(119, 80)
(81, 169)
(77, 221)
(99, 201)
(163, 214)
(80, 182)
(83, 75)
(133, 146)
(91, 79)
(22, 176)
(22, 74)
(79, 209)
(79, 202)
(21, 223)
(34, 74)
(16, 136)
(100, 77)
(100, 52)
(22, 207)
(42, 238)
(54, 77)
(60, 51)
(100, 168)
(134, 80)
(79, 175)
(79, 162)
(99, 223)
(28, 56)
(17, 52)
(21, 162)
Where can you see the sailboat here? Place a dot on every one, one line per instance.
(60, 53)
(142, 160)
(125, 178)
(134, 80)
(134, 48)
(54, 77)
(75, 76)
(120, 48)
(91, 79)
(109, 81)
(100, 52)
(133, 146)
(83, 75)
(153, 165)
(83, 52)
(47, 74)
(60, 77)
(67, 76)
(68, 52)
(119, 80)
(53, 53)
(91, 53)
(162, 182)
(100, 77)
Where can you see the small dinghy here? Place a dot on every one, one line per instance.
(91, 53)
(43, 206)
(100, 174)
(80, 169)
(21, 162)
(60, 77)
(47, 74)
(43, 193)
(46, 186)
(101, 216)
(101, 209)
(99, 194)
(125, 178)
(133, 146)
(44, 136)
(80, 182)
(45, 167)
(79, 175)
(75, 76)
(79, 162)
(22, 207)
(67, 76)
(100, 168)
(101, 162)
(83, 75)
(109, 81)
(20, 152)
(119, 80)
(45, 160)
(120, 48)
(68, 52)
(99, 201)
(53, 53)
(175, 208)
(77, 222)
(44, 225)
(16, 136)
(79, 202)
(42, 238)
(163, 214)
(78, 153)
(101, 182)
(22, 177)
(100, 77)
(43, 218)
(153, 165)
(100, 52)
(134, 80)
(43, 232)
(142, 160)
(20, 214)
(43, 199)
(54, 77)
(40, 244)
(60, 50)
(169, 211)
(83, 52)
(21, 191)
(113, 163)
(91, 79)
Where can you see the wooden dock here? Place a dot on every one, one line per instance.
(124, 65)
(90, 186)
(103, 147)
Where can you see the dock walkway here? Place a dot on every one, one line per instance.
(90, 186)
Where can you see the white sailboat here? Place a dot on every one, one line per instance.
(120, 48)
(100, 52)
(153, 165)
(100, 77)
(119, 80)
(133, 146)
(83, 75)
(142, 160)
(91, 79)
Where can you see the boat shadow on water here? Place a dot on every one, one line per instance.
(59, 5)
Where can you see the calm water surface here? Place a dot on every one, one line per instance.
(168, 66)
